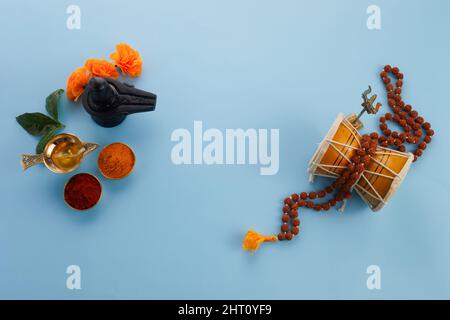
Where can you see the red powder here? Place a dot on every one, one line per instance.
(82, 191)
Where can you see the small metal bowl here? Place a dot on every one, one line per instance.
(112, 177)
(68, 181)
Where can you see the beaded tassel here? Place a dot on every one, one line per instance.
(253, 240)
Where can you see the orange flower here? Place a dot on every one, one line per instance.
(127, 59)
(76, 83)
(101, 68)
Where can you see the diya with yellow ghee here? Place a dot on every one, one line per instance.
(62, 154)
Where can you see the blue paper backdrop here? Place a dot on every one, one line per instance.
(172, 231)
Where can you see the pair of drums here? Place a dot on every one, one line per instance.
(382, 177)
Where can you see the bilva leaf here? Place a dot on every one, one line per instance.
(46, 138)
(36, 123)
(51, 103)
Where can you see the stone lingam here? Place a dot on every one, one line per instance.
(109, 101)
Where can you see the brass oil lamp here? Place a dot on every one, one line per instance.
(62, 154)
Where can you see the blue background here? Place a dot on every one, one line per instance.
(172, 231)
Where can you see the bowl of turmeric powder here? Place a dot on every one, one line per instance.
(116, 160)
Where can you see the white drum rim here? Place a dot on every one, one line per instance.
(322, 148)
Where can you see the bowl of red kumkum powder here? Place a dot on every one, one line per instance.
(82, 191)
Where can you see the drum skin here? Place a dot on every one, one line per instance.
(382, 176)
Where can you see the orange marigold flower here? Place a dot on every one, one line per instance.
(127, 59)
(76, 83)
(101, 68)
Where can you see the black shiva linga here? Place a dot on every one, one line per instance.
(109, 101)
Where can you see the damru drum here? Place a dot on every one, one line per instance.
(378, 182)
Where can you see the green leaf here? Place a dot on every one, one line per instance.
(46, 138)
(36, 123)
(51, 103)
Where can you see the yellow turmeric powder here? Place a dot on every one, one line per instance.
(116, 160)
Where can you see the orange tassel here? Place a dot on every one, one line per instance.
(253, 240)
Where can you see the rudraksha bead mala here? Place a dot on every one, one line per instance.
(415, 131)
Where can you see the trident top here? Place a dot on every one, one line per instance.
(368, 103)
